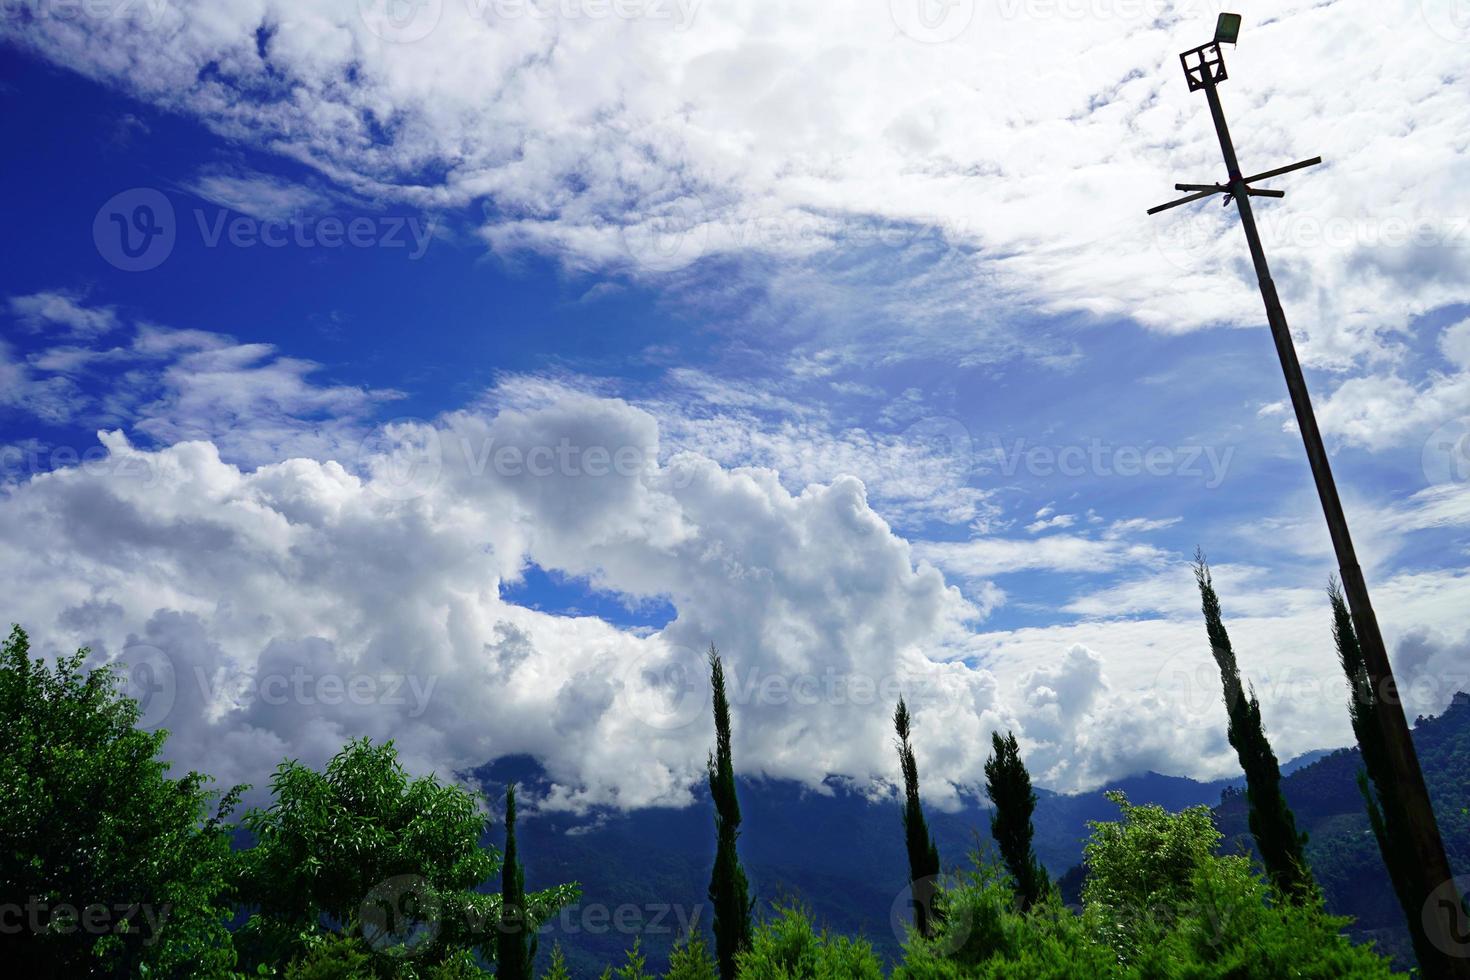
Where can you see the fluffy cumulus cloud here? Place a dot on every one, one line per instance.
(1024, 140)
(278, 575)
(284, 609)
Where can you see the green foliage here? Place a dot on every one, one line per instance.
(558, 968)
(515, 945)
(690, 960)
(923, 852)
(1140, 872)
(1008, 785)
(1271, 821)
(1236, 926)
(728, 888)
(331, 957)
(362, 873)
(115, 867)
(788, 947)
(1159, 905)
(632, 969)
(985, 935)
(1386, 818)
(364, 848)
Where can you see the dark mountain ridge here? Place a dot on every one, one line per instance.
(839, 852)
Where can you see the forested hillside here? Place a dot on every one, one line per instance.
(1340, 845)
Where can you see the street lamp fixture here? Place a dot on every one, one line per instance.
(1227, 28)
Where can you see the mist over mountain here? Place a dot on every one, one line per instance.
(840, 852)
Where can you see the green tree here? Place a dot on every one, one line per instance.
(1159, 905)
(1008, 785)
(515, 944)
(632, 969)
(558, 969)
(1140, 871)
(923, 852)
(728, 888)
(1271, 821)
(331, 957)
(1385, 816)
(788, 947)
(367, 850)
(985, 935)
(110, 867)
(690, 960)
(1169, 907)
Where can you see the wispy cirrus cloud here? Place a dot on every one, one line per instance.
(1017, 151)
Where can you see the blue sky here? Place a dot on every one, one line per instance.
(1048, 401)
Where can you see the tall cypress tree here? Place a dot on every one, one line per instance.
(923, 852)
(1008, 785)
(1271, 821)
(728, 888)
(1385, 816)
(513, 949)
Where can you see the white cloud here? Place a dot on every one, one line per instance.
(65, 310)
(255, 404)
(1454, 342)
(1032, 141)
(308, 601)
(259, 195)
(303, 568)
(986, 557)
(1047, 523)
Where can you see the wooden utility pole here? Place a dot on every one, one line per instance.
(1431, 879)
